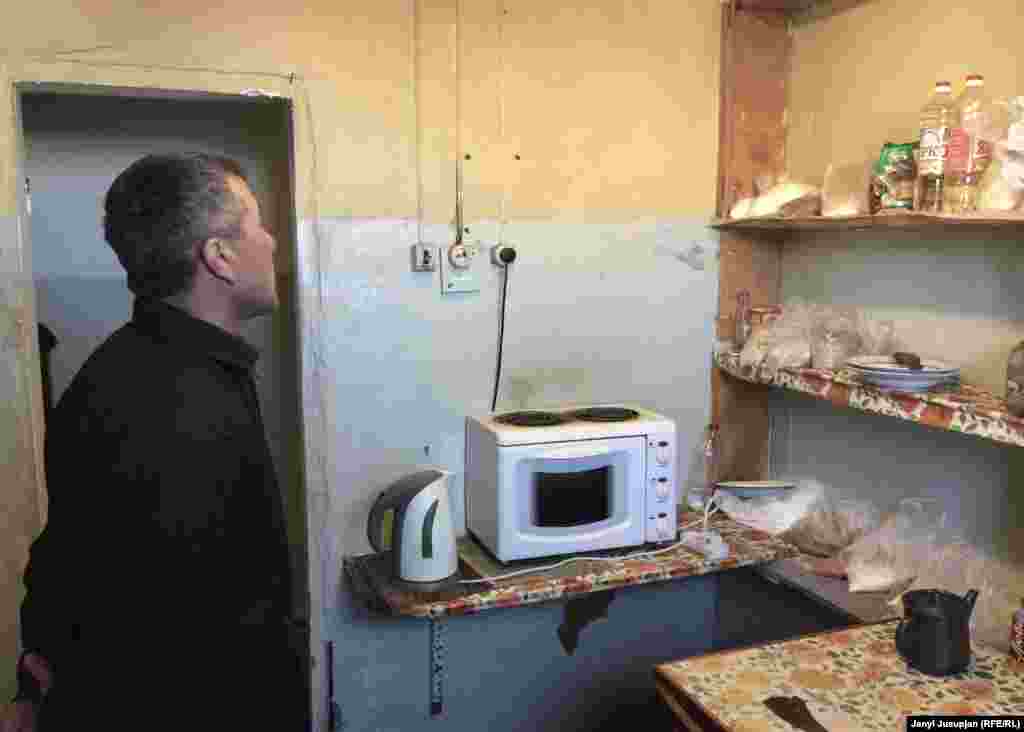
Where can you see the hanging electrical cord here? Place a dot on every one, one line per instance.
(504, 255)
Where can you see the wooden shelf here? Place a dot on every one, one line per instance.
(880, 222)
(966, 409)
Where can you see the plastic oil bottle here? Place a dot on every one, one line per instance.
(968, 155)
(937, 121)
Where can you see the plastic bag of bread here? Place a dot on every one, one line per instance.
(788, 200)
(892, 556)
(835, 337)
(811, 517)
(845, 190)
(782, 343)
(1001, 188)
(830, 523)
(958, 567)
(779, 198)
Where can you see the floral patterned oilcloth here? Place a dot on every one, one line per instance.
(851, 680)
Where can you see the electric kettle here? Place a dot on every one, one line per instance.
(934, 635)
(422, 542)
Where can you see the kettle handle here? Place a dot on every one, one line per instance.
(396, 497)
(375, 524)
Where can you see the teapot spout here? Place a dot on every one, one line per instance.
(970, 598)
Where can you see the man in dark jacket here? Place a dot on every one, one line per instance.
(158, 595)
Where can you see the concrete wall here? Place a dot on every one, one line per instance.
(859, 80)
(611, 110)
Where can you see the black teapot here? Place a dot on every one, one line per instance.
(934, 635)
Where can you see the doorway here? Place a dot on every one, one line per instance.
(75, 141)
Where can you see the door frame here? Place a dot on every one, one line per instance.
(186, 85)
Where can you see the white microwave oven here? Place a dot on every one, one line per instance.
(547, 482)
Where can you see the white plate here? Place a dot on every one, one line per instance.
(885, 364)
(755, 488)
(909, 386)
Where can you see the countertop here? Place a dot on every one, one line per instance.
(852, 679)
(370, 576)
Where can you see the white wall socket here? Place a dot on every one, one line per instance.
(458, 269)
(424, 258)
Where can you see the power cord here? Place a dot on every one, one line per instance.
(504, 255)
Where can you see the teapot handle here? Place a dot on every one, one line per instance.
(900, 629)
(970, 598)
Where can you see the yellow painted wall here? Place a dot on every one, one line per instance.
(861, 77)
(612, 105)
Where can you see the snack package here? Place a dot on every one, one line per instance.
(895, 175)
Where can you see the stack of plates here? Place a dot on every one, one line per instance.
(885, 373)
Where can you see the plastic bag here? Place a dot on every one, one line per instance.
(876, 336)
(779, 198)
(845, 190)
(1001, 188)
(771, 514)
(835, 337)
(811, 517)
(958, 567)
(892, 555)
(783, 343)
(831, 523)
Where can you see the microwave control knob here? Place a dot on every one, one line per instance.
(661, 489)
(663, 453)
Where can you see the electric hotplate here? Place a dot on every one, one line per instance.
(530, 419)
(605, 414)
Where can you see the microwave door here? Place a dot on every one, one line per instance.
(576, 496)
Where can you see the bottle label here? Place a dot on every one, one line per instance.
(958, 150)
(933, 150)
(967, 153)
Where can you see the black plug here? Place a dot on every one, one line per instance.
(503, 255)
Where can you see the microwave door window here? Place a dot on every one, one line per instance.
(572, 498)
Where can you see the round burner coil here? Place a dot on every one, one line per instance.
(530, 419)
(606, 414)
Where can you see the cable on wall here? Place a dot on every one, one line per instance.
(501, 330)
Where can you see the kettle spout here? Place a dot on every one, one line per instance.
(970, 598)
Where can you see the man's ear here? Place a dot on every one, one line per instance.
(219, 258)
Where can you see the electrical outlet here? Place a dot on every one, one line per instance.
(458, 269)
(424, 258)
